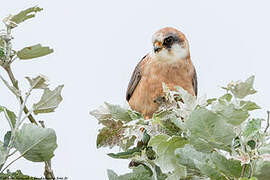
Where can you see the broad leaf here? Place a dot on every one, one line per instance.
(253, 126)
(38, 82)
(7, 139)
(232, 115)
(139, 173)
(231, 168)
(136, 151)
(35, 143)
(165, 148)
(209, 131)
(188, 156)
(242, 89)
(10, 116)
(111, 135)
(25, 14)
(49, 100)
(110, 111)
(262, 170)
(34, 52)
(249, 106)
(2, 154)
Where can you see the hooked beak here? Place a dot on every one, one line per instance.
(157, 47)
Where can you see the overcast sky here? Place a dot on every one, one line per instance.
(97, 45)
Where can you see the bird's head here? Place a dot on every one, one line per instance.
(170, 45)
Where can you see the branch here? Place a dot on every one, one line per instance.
(268, 118)
(15, 84)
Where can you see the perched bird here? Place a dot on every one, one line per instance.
(169, 62)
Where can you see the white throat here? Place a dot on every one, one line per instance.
(176, 53)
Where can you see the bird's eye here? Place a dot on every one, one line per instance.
(168, 40)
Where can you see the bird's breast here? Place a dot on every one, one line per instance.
(150, 85)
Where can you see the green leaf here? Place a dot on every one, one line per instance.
(35, 143)
(232, 115)
(262, 170)
(34, 52)
(249, 106)
(118, 112)
(111, 135)
(165, 148)
(18, 175)
(209, 131)
(25, 14)
(38, 82)
(10, 116)
(231, 168)
(110, 111)
(49, 100)
(242, 89)
(2, 154)
(139, 173)
(188, 156)
(253, 126)
(2, 52)
(7, 139)
(127, 142)
(210, 171)
(130, 153)
(227, 97)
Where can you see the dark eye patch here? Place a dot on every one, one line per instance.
(168, 41)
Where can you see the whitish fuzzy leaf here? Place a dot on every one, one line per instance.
(7, 139)
(38, 82)
(35, 143)
(262, 170)
(110, 111)
(25, 14)
(139, 173)
(2, 154)
(242, 89)
(249, 106)
(111, 135)
(231, 168)
(210, 171)
(165, 148)
(34, 52)
(136, 151)
(127, 142)
(49, 101)
(209, 131)
(232, 115)
(188, 156)
(11, 88)
(118, 112)
(11, 116)
(253, 126)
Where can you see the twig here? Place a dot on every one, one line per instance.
(243, 170)
(48, 173)
(15, 84)
(268, 119)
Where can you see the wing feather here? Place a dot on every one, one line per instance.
(135, 79)
(195, 82)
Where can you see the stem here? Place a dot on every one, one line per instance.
(152, 169)
(243, 170)
(15, 84)
(268, 118)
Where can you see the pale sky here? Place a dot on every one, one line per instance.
(97, 45)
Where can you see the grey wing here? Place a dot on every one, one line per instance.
(134, 81)
(195, 82)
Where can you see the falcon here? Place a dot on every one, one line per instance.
(168, 62)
